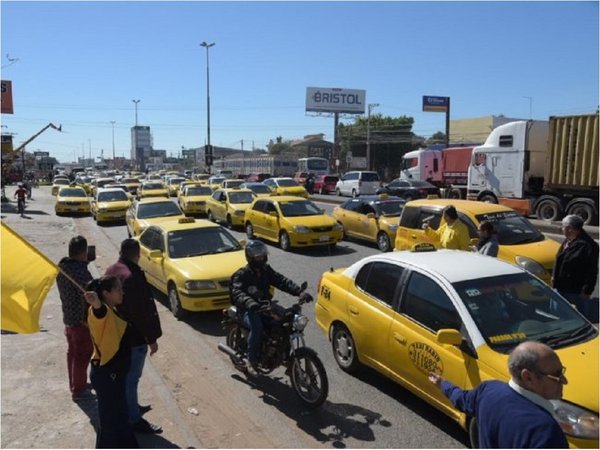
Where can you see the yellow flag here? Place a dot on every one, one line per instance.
(27, 276)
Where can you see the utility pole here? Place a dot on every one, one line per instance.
(530, 106)
(370, 107)
(136, 106)
(90, 148)
(208, 148)
(242, 141)
(113, 143)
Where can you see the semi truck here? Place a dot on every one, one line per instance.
(446, 168)
(547, 168)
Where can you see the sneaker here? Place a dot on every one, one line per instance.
(82, 396)
(144, 409)
(143, 426)
(250, 369)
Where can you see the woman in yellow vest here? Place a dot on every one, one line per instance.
(110, 362)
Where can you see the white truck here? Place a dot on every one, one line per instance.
(547, 168)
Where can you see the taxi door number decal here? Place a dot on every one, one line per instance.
(425, 358)
(325, 292)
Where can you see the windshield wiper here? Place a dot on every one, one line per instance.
(568, 336)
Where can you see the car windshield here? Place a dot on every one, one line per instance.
(158, 209)
(370, 176)
(260, 189)
(234, 183)
(216, 180)
(299, 208)
(510, 309)
(61, 181)
(85, 180)
(149, 186)
(287, 183)
(389, 208)
(112, 196)
(130, 180)
(176, 181)
(102, 183)
(200, 190)
(72, 193)
(241, 197)
(511, 228)
(201, 241)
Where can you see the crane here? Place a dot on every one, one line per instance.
(50, 125)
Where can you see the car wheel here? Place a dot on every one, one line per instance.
(338, 192)
(249, 230)
(344, 237)
(344, 349)
(229, 223)
(383, 242)
(210, 216)
(175, 303)
(284, 241)
(354, 193)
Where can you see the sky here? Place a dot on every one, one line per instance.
(80, 64)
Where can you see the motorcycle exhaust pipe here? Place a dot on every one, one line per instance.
(226, 349)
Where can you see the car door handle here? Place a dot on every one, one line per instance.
(353, 310)
(398, 337)
(413, 236)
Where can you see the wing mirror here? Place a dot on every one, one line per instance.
(273, 214)
(156, 254)
(370, 215)
(449, 336)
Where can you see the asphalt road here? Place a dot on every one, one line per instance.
(362, 411)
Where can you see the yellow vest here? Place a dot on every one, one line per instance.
(106, 334)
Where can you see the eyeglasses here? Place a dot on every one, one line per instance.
(558, 378)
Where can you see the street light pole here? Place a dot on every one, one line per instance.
(136, 103)
(207, 46)
(370, 107)
(530, 106)
(112, 122)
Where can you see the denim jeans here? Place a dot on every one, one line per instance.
(138, 357)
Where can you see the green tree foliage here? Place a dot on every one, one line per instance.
(437, 138)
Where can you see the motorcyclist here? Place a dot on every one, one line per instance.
(310, 184)
(249, 289)
(21, 193)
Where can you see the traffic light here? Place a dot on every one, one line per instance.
(208, 155)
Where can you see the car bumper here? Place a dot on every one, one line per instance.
(315, 239)
(110, 215)
(63, 209)
(194, 209)
(204, 302)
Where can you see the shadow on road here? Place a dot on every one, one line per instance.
(11, 208)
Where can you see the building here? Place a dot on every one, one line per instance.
(475, 130)
(141, 145)
(313, 145)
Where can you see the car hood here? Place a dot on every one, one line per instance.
(319, 220)
(221, 265)
(114, 205)
(544, 252)
(581, 361)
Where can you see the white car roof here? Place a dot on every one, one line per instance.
(453, 265)
(111, 189)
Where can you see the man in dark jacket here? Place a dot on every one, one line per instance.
(250, 288)
(517, 414)
(139, 309)
(576, 269)
(74, 308)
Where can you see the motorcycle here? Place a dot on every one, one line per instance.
(282, 345)
(21, 206)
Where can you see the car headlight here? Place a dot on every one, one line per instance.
(301, 229)
(196, 285)
(530, 265)
(300, 322)
(575, 421)
(393, 228)
(239, 212)
(337, 227)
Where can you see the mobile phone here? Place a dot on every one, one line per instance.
(91, 253)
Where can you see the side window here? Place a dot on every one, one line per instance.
(158, 243)
(146, 238)
(470, 225)
(352, 205)
(433, 217)
(269, 207)
(425, 302)
(259, 206)
(506, 141)
(352, 176)
(379, 280)
(216, 195)
(410, 217)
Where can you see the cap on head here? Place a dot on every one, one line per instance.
(257, 254)
(574, 221)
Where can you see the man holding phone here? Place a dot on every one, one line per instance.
(74, 307)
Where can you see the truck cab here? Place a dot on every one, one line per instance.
(421, 165)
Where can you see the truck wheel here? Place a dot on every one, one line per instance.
(583, 210)
(488, 198)
(457, 194)
(549, 209)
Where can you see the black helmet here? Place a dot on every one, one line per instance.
(256, 254)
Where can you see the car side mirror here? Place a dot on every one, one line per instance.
(273, 214)
(156, 254)
(371, 216)
(449, 336)
(243, 242)
(322, 210)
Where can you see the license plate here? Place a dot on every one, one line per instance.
(323, 238)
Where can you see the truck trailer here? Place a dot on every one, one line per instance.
(547, 168)
(446, 168)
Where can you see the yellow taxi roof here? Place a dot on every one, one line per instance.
(471, 206)
(185, 224)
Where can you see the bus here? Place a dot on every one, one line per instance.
(314, 165)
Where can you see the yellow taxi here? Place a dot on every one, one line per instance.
(520, 243)
(457, 314)
(99, 183)
(132, 184)
(286, 186)
(372, 218)
(201, 177)
(149, 211)
(185, 183)
(215, 182)
(191, 261)
(152, 188)
(85, 183)
(173, 185)
(292, 222)
(192, 200)
(230, 184)
(109, 204)
(229, 206)
(258, 189)
(71, 200)
(59, 183)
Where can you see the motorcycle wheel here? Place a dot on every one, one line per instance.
(308, 377)
(238, 343)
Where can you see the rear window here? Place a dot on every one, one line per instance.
(369, 176)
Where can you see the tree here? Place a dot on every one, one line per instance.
(437, 138)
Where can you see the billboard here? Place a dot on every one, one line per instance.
(6, 99)
(436, 104)
(335, 100)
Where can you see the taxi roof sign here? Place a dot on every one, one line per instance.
(423, 247)
(187, 220)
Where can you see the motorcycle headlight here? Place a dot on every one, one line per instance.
(196, 285)
(301, 229)
(530, 265)
(300, 322)
(576, 421)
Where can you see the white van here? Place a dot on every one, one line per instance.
(358, 183)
